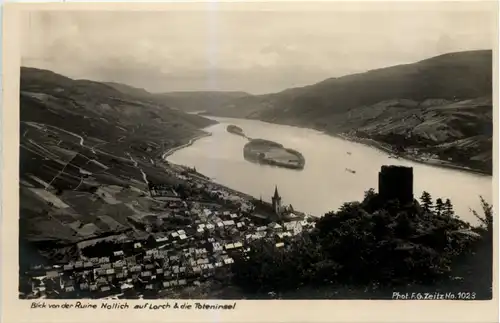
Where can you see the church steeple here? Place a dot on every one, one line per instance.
(276, 201)
(276, 194)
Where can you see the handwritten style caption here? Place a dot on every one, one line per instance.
(125, 306)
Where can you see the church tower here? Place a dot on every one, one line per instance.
(276, 201)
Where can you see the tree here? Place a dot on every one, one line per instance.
(487, 219)
(426, 201)
(448, 208)
(439, 206)
(370, 193)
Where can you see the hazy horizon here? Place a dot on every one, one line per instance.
(252, 51)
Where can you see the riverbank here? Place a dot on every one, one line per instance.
(206, 178)
(191, 141)
(387, 149)
(410, 157)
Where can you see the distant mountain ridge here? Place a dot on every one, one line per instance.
(199, 100)
(188, 101)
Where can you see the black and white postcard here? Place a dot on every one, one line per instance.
(250, 162)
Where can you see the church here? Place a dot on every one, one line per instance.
(278, 208)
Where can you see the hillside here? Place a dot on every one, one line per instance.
(87, 153)
(441, 105)
(127, 119)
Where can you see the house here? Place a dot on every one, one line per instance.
(119, 264)
(283, 235)
(68, 267)
(275, 226)
(233, 216)
(295, 227)
(100, 272)
(146, 274)
(106, 266)
(210, 226)
(228, 261)
(103, 260)
(93, 287)
(200, 252)
(182, 237)
(94, 260)
(152, 252)
(84, 286)
(160, 239)
(228, 223)
(280, 245)
(110, 271)
(260, 235)
(118, 253)
(126, 286)
(79, 265)
(202, 261)
(137, 245)
(88, 264)
(232, 246)
(217, 246)
(135, 269)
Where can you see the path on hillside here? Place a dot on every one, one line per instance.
(136, 165)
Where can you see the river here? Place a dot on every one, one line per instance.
(324, 184)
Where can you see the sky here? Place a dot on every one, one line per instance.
(252, 49)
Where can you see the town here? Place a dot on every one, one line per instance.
(187, 242)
